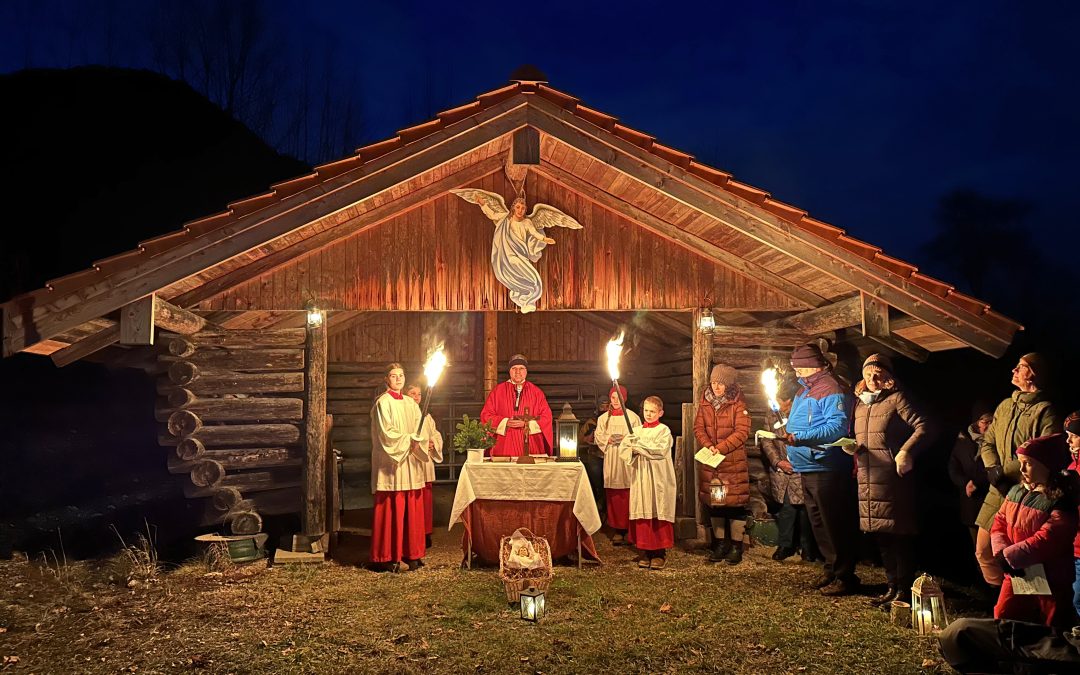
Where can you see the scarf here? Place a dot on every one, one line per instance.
(731, 392)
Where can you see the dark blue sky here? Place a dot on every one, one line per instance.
(863, 113)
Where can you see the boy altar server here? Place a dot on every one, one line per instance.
(397, 477)
(611, 428)
(433, 448)
(652, 486)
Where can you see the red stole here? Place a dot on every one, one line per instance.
(500, 405)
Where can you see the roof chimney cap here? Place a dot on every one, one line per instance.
(528, 74)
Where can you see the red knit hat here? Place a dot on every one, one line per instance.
(622, 392)
(1051, 451)
(1072, 423)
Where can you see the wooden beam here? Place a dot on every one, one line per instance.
(525, 147)
(313, 518)
(137, 321)
(681, 328)
(757, 336)
(491, 350)
(249, 232)
(841, 314)
(904, 346)
(86, 347)
(761, 225)
(690, 242)
(875, 317)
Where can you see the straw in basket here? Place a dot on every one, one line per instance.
(517, 579)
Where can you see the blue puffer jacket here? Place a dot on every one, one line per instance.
(820, 414)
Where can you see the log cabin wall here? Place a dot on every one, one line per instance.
(232, 407)
(437, 257)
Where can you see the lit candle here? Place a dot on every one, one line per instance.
(925, 623)
(567, 448)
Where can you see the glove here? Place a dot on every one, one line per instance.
(904, 463)
(1006, 567)
(998, 479)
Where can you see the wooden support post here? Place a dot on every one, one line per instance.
(875, 317)
(313, 520)
(491, 351)
(526, 146)
(137, 321)
(701, 362)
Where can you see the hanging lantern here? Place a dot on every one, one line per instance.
(717, 492)
(567, 428)
(706, 322)
(533, 604)
(927, 606)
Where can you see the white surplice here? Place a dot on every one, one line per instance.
(652, 473)
(616, 471)
(433, 454)
(394, 467)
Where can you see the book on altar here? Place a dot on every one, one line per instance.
(1033, 582)
(709, 458)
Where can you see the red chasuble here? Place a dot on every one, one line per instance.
(500, 406)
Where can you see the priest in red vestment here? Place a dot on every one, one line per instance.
(519, 412)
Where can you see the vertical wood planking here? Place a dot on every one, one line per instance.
(313, 518)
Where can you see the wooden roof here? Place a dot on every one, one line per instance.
(586, 151)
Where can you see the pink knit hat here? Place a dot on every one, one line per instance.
(1051, 451)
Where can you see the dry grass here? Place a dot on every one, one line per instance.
(757, 617)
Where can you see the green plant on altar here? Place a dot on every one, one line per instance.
(473, 434)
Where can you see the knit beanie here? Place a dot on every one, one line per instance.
(1052, 451)
(722, 373)
(622, 393)
(879, 360)
(808, 356)
(1037, 363)
(518, 360)
(1072, 423)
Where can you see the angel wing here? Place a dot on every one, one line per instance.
(545, 215)
(491, 203)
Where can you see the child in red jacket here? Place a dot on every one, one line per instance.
(1036, 524)
(1072, 433)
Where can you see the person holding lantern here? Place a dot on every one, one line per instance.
(647, 451)
(520, 413)
(611, 428)
(1036, 525)
(890, 433)
(792, 522)
(434, 454)
(820, 416)
(1025, 415)
(397, 477)
(722, 425)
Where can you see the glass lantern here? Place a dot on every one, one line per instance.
(717, 492)
(566, 426)
(533, 604)
(927, 606)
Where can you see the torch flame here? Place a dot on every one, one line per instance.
(614, 351)
(771, 381)
(434, 366)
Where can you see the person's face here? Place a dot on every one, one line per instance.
(983, 424)
(1033, 471)
(1022, 376)
(718, 388)
(518, 374)
(1074, 442)
(613, 401)
(874, 377)
(651, 412)
(395, 379)
(414, 394)
(807, 372)
(519, 210)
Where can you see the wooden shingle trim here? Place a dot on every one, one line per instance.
(971, 304)
(858, 247)
(418, 131)
(243, 207)
(164, 242)
(784, 210)
(337, 168)
(293, 186)
(676, 157)
(115, 263)
(895, 265)
(379, 148)
(497, 96)
(644, 141)
(747, 192)
(203, 225)
(459, 113)
(820, 228)
(714, 176)
(594, 116)
(559, 98)
(931, 285)
(69, 282)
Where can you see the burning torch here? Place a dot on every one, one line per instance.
(614, 351)
(432, 370)
(770, 380)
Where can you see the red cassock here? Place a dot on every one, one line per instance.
(500, 406)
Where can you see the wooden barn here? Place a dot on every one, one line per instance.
(267, 326)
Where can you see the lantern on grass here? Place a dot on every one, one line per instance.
(927, 606)
(533, 604)
(567, 428)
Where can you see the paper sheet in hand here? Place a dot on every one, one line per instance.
(841, 443)
(1032, 583)
(709, 458)
(762, 433)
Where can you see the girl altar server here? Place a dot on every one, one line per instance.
(611, 428)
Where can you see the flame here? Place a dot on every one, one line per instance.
(771, 381)
(614, 351)
(434, 366)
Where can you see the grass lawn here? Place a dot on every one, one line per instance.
(757, 617)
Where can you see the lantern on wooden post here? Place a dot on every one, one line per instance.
(533, 604)
(567, 428)
(706, 322)
(314, 315)
(927, 606)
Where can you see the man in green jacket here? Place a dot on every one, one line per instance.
(1025, 415)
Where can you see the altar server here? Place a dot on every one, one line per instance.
(652, 486)
(433, 448)
(611, 428)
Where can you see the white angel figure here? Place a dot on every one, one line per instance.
(519, 242)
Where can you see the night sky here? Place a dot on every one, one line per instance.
(863, 113)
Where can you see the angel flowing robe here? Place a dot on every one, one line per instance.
(499, 409)
(518, 244)
(652, 489)
(397, 479)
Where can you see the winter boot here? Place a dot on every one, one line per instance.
(734, 556)
(720, 549)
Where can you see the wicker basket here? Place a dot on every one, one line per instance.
(517, 580)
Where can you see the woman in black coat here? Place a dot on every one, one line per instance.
(968, 473)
